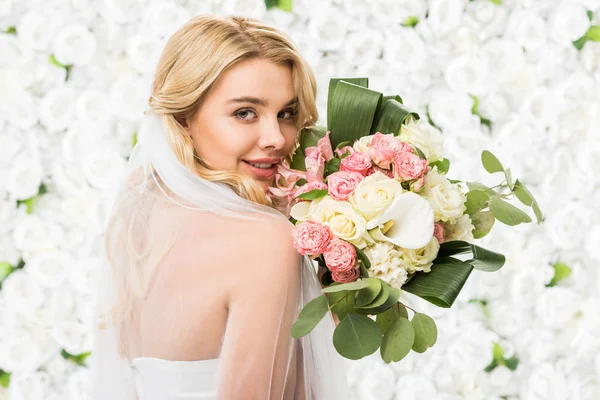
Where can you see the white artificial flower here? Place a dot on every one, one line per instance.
(485, 18)
(451, 109)
(163, 19)
(545, 383)
(447, 199)
(444, 16)
(121, 11)
(33, 235)
(56, 108)
(79, 384)
(20, 109)
(143, 52)
(421, 259)
(405, 50)
(34, 385)
(51, 268)
(462, 229)
(103, 168)
(504, 57)
(68, 179)
(21, 292)
(469, 75)
(129, 98)
(528, 29)
(363, 47)
(376, 382)
(387, 263)
(72, 336)
(564, 225)
(568, 22)
(9, 216)
(426, 137)
(471, 348)
(24, 177)
(75, 45)
(37, 28)
(558, 306)
(327, 27)
(590, 56)
(415, 386)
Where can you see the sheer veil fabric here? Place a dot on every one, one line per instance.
(194, 272)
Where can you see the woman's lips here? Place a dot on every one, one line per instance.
(261, 172)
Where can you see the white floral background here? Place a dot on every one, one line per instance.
(74, 80)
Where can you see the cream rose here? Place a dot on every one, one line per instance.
(340, 217)
(374, 194)
(447, 200)
(426, 137)
(461, 230)
(421, 259)
(363, 144)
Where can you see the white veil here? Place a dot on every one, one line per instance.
(163, 279)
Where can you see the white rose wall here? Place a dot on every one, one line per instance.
(520, 78)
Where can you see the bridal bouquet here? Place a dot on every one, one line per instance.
(371, 203)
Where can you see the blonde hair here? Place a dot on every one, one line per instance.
(192, 61)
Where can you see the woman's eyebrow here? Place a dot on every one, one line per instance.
(256, 100)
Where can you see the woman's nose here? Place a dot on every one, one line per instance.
(271, 136)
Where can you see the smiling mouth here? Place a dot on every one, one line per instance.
(262, 170)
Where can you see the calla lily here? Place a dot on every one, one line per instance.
(412, 222)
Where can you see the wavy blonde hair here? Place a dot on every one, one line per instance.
(192, 61)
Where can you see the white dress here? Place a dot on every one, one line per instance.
(158, 379)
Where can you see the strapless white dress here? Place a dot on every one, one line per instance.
(158, 379)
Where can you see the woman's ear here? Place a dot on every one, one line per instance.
(182, 121)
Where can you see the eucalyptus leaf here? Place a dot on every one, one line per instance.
(381, 298)
(309, 317)
(425, 332)
(363, 257)
(397, 340)
(483, 221)
(387, 318)
(490, 162)
(538, 213)
(392, 300)
(443, 166)
(366, 295)
(508, 177)
(364, 272)
(476, 201)
(348, 286)
(442, 284)
(480, 187)
(507, 213)
(357, 336)
(523, 194)
(313, 194)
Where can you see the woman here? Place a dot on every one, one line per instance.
(204, 283)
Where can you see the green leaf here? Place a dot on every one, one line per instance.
(419, 152)
(475, 108)
(497, 352)
(480, 187)
(309, 317)
(5, 270)
(52, 60)
(511, 363)
(442, 285)
(476, 201)
(332, 166)
(483, 221)
(357, 336)
(578, 44)
(590, 15)
(387, 318)
(390, 117)
(11, 30)
(366, 295)
(593, 33)
(491, 366)
(343, 144)
(397, 340)
(411, 22)
(313, 194)
(363, 257)
(496, 2)
(507, 213)
(342, 303)
(538, 213)
(508, 177)
(490, 162)
(348, 286)
(4, 378)
(78, 359)
(392, 300)
(522, 193)
(285, 5)
(429, 117)
(351, 111)
(364, 272)
(425, 332)
(309, 137)
(443, 166)
(380, 299)
(483, 259)
(561, 271)
(134, 139)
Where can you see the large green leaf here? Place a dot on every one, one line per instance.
(309, 317)
(483, 259)
(390, 117)
(367, 294)
(442, 285)
(397, 340)
(490, 162)
(507, 213)
(309, 137)
(351, 111)
(357, 336)
(348, 286)
(425, 332)
(342, 303)
(387, 318)
(363, 257)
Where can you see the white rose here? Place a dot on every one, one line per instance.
(590, 56)
(362, 47)
(504, 57)
(568, 22)
(33, 235)
(471, 348)
(103, 168)
(8, 249)
(363, 144)
(485, 18)
(74, 337)
(163, 19)
(121, 11)
(462, 229)
(9, 215)
(545, 383)
(405, 47)
(528, 29)
(35, 385)
(68, 180)
(340, 217)
(129, 96)
(74, 45)
(327, 27)
(451, 109)
(564, 225)
(36, 29)
(374, 194)
(444, 16)
(447, 200)
(426, 137)
(422, 259)
(20, 110)
(24, 178)
(21, 292)
(376, 382)
(51, 268)
(558, 306)
(143, 52)
(415, 386)
(78, 385)
(468, 74)
(56, 108)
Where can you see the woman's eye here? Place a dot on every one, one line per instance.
(288, 114)
(244, 114)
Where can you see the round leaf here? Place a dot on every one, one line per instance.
(387, 318)
(357, 336)
(490, 162)
(366, 295)
(380, 299)
(507, 213)
(310, 316)
(483, 221)
(476, 200)
(397, 340)
(522, 193)
(425, 332)
(392, 300)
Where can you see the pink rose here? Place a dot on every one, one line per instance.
(386, 172)
(308, 187)
(439, 232)
(385, 147)
(346, 149)
(311, 238)
(339, 255)
(416, 186)
(341, 184)
(356, 162)
(345, 276)
(409, 166)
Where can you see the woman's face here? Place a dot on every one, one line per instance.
(246, 122)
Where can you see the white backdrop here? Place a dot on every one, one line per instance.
(71, 138)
